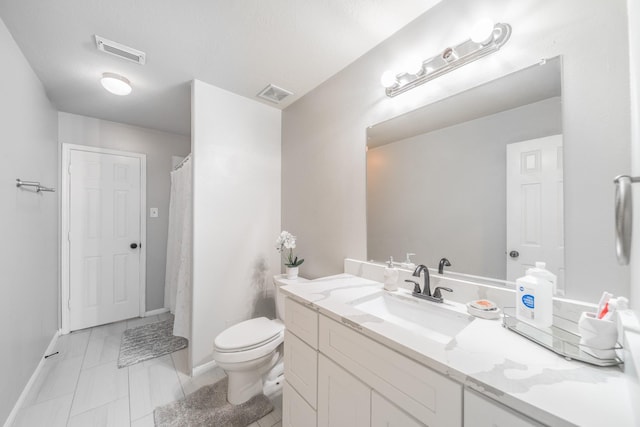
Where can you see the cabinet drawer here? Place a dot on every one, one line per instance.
(386, 414)
(482, 412)
(302, 321)
(424, 394)
(295, 411)
(301, 367)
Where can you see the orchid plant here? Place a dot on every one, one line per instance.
(285, 244)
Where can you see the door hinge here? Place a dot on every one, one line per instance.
(69, 303)
(69, 168)
(69, 236)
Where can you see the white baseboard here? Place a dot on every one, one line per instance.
(156, 312)
(201, 369)
(14, 412)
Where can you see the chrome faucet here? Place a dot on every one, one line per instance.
(443, 263)
(426, 289)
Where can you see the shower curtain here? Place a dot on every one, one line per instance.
(177, 287)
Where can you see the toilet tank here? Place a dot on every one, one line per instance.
(277, 282)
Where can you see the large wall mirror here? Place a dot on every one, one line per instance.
(476, 178)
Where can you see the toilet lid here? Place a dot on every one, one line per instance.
(248, 334)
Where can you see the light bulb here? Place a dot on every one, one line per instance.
(482, 32)
(413, 66)
(116, 84)
(388, 79)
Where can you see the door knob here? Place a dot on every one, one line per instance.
(133, 245)
(514, 254)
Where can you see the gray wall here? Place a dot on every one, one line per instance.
(443, 193)
(159, 147)
(28, 223)
(323, 147)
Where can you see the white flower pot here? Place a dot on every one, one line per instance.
(292, 272)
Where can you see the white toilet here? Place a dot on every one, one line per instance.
(250, 352)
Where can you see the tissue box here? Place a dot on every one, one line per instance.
(598, 337)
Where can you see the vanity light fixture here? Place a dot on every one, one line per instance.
(485, 38)
(116, 84)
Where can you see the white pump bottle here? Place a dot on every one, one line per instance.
(534, 296)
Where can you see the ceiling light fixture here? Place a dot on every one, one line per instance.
(485, 38)
(116, 84)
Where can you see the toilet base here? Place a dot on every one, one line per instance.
(246, 383)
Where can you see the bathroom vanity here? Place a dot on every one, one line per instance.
(356, 355)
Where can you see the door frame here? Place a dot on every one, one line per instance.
(65, 292)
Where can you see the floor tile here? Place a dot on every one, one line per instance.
(58, 377)
(82, 386)
(152, 383)
(277, 407)
(98, 386)
(191, 384)
(72, 345)
(180, 361)
(110, 329)
(268, 420)
(113, 414)
(51, 413)
(102, 349)
(146, 421)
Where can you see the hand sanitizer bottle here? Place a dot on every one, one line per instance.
(390, 276)
(534, 297)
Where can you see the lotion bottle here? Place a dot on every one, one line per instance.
(534, 297)
(390, 276)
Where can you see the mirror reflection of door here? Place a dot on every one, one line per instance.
(535, 207)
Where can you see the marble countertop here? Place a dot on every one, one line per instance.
(487, 358)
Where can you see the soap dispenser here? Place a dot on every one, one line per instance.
(390, 276)
(408, 264)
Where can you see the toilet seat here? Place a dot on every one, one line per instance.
(248, 340)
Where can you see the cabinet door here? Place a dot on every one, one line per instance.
(386, 414)
(295, 411)
(343, 401)
(482, 412)
(301, 367)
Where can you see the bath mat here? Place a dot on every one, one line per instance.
(208, 406)
(148, 342)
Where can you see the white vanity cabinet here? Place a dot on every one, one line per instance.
(335, 376)
(300, 365)
(416, 391)
(386, 414)
(482, 412)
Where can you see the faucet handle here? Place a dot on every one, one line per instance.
(416, 286)
(438, 294)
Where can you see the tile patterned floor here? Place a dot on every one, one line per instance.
(82, 386)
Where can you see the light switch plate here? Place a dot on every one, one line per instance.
(153, 212)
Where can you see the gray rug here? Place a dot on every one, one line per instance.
(208, 406)
(148, 342)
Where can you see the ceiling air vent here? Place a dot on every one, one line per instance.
(274, 94)
(120, 50)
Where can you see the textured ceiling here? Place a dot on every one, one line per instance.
(237, 45)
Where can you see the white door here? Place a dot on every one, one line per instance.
(104, 238)
(535, 207)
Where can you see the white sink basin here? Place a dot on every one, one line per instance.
(427, 319)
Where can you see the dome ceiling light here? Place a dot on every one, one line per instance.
(116, 84)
